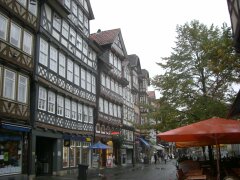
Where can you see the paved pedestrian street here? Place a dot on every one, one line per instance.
(159, 171)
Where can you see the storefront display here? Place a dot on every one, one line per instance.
(10, 154)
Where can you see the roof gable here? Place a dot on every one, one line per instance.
(110, 37)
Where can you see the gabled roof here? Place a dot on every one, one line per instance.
(134, 61)
(108, 38)
(105, 37)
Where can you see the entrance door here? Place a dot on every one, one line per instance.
(44, 153)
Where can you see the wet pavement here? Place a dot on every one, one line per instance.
(159, 171)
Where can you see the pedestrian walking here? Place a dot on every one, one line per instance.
(155, 158)
(165, 158)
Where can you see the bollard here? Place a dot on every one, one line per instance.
(82, 171)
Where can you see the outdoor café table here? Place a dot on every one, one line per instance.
(199, 177)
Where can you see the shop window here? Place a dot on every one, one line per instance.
(3, 27)
(42, 98)
(65, 157)
(11, 154)
(72, 154)
(9, 84)
(15, 35)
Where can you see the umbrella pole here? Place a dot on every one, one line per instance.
(218, 167)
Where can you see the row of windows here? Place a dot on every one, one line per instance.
(65, 67)
(70, 38)
(128, 135)
(17, 36)
(109, 83)
(28, 4)
(128, 114)
(103, 129)
(15, 85)
(110, 108)
(57, 104)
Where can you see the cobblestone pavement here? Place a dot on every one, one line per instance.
(159, 171)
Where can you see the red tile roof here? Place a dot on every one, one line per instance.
(105, 37)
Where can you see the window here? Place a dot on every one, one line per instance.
(32, 8)
(100, 104)
(42, 97)
(93, 85)
(3, 27)
(74, 110)
(103, 129)
(9, 84)
(22, 2)
(112, 85)
(89, 81)
(80, 15)
(83, 78)
(103, 79)
(119, 112)
(22, 88)
(85, 48)
(86, 22)
(85, 114)
(53, 58)
(70, 70)
(74, 8)
(105, 107)
(27, 43)
(15, 35)
(115, 110)
(90, 115)
(108, 82)
(111, 57)
(57, 22)
(79, 42)
(67, 3)
(110, 109)
(43, 55)
(76, 74)
(72, 37)
(80, 112)
(67, 108)
(51, 102)
(61, 65)
(98, 128)
(65, 29)
(60, 105)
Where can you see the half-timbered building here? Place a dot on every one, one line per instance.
(18, 25)
(64, 87)
(111, 84)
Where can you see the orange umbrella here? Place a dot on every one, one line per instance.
(210, 132)
(213, 131)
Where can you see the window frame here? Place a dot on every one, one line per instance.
(19, 35)
(26, 89)
(51, 102)
(13, 88)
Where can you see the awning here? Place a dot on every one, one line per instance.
(14, 127)
(144, 142)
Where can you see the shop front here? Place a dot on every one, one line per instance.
(127, 154)
(13, 151)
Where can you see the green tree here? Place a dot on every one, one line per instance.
(198, 75)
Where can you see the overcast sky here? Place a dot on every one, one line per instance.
(149, 27)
